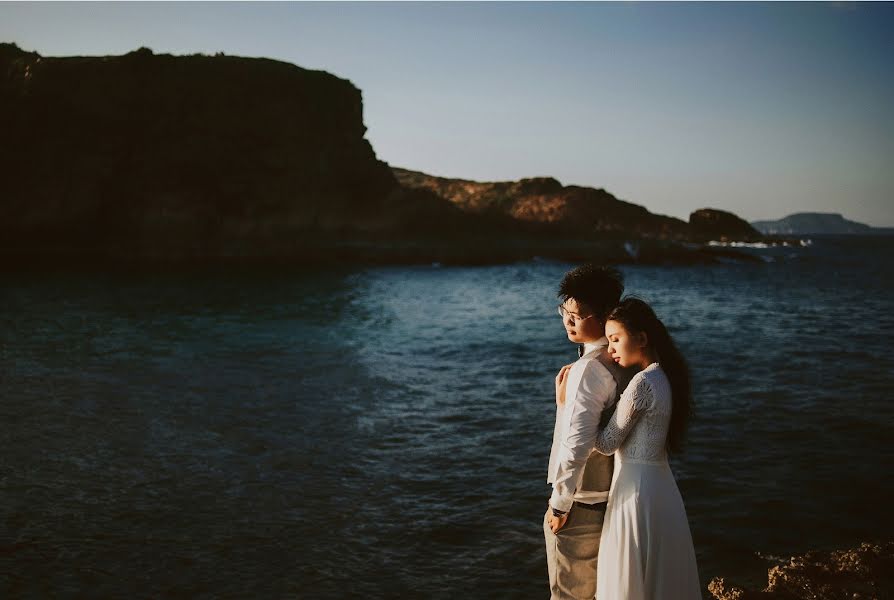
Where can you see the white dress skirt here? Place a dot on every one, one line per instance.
(645, 551)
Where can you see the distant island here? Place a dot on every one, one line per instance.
(809, 223)
(154, 157)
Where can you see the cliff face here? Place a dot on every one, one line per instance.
(178, 157)
(200, 151)
(544, 200)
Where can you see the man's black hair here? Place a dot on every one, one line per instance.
(598, 288)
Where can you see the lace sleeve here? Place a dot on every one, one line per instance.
(633, 403)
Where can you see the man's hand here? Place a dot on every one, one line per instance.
(556, 523)
(561, 383)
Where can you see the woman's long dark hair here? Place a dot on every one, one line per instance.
(638, 317)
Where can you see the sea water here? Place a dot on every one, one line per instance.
(384, 432)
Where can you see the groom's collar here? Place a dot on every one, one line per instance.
(591, 347)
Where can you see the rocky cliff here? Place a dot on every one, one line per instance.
(153, 156)
(578, 210)
(543, 200)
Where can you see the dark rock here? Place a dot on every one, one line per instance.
(543, 200)
(160, 154)
(153, 157)
(862, 573)
(713, 224)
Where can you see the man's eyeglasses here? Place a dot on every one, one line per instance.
(576, 318)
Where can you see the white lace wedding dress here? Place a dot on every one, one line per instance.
(645, 552)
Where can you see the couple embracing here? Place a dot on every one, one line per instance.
(616, 527)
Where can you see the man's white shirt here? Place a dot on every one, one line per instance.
(589, 390)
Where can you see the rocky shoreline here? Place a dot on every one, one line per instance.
(154, 158)
(862, 573)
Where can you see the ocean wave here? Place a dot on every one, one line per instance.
(759, 245)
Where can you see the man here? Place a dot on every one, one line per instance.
(586, 391)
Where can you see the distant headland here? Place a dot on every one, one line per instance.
(154, 157)
(810, 223)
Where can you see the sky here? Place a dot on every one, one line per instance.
(761, 109)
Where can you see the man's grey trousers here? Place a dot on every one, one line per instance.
(571, 554)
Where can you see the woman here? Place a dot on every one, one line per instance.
(645, 550)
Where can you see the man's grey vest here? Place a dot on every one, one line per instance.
(598, 471)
